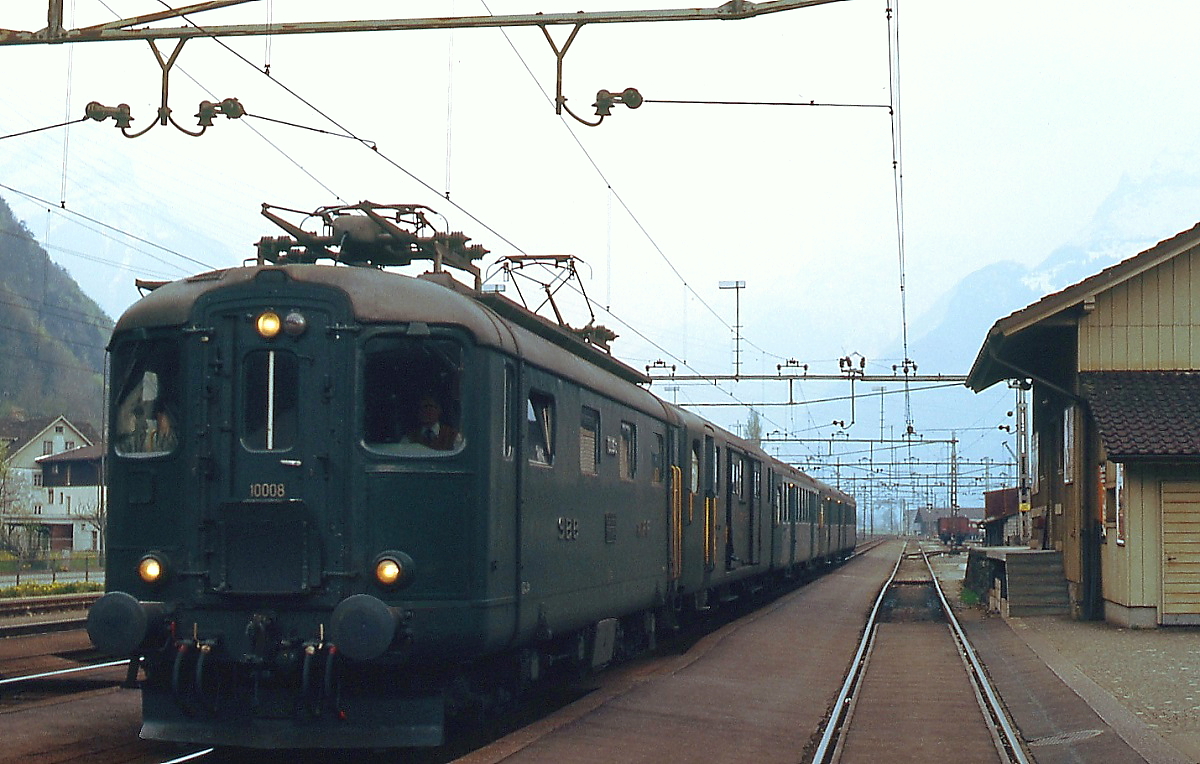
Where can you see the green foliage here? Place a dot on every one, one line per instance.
(52, 335)
(49, 590)
(969, 597)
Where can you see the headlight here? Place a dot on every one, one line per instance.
(393, 569)
(268, 324)
(388, 571)
(151, 568)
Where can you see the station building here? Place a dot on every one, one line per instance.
(1114, 364)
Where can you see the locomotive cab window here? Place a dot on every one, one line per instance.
(147, 401)
(412, 396)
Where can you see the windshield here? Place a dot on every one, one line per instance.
(147, 401)
(412, 402)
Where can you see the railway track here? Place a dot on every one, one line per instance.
(43, 615)
(908, 693)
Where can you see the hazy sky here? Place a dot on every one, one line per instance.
(1017, 119)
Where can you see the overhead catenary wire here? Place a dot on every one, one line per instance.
(112, 228)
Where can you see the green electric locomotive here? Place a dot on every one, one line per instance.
(344, 502)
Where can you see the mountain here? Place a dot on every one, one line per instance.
(1140, 212)
(52, 335)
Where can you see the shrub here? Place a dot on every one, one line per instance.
(49, 590)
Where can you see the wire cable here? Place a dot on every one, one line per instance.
(40, 129)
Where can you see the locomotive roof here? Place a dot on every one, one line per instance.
(378, 297)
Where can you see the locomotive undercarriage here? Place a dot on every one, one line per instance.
(255, 684)
(262, 686)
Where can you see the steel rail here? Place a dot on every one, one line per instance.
(60, 672)
(1008, 739)
(31, 605)
(190, 756)
(831, 735)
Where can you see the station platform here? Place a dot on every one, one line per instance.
(758, 689)
(1087, 690)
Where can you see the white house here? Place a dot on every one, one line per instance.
(55, 482)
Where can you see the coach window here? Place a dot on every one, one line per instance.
(735, 474)
(589, 441)
(711, 464)
(539, 415)
(628, 453)
(147, 410)
(412, 403)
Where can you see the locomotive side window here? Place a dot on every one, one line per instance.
(510, 417)
(628, 453)
(589, 441)
(412, 396)
(540, 417)
(147, 413)
(271, 397)
(657, 455)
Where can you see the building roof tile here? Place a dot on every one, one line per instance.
(1145, 414)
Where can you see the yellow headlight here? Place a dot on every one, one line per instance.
(268, 324)
(150, 569)
(388, 571)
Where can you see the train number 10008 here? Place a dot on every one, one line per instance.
(268, 490)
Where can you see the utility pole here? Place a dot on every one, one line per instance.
(737, 287)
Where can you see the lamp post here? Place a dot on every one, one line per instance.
(737, 287)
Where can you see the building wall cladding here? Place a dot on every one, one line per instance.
(1149, 323)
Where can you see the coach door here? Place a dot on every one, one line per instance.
(270, 396)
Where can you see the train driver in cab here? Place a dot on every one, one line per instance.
(431, 431)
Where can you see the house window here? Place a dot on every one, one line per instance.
(1035, 460)
(37, 479)
(70, 445)
(59, 429)
(51, 494)
(1122, 502)
(37, 509)
(589, 441)
(47, 447)
(628, 452)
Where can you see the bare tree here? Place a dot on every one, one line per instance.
(96, 515)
